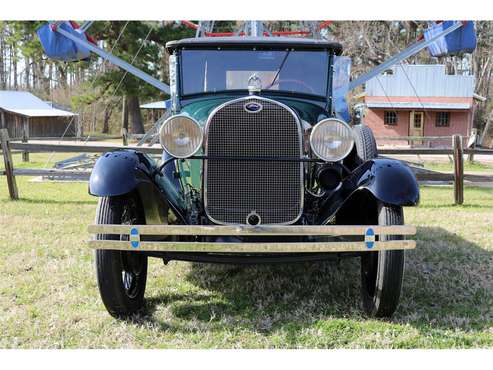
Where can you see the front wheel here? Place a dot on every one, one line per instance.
(382, 271)
(121, 275)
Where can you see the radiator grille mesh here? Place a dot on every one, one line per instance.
(272, 189)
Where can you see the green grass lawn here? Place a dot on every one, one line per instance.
(449, 167)
(49, 297)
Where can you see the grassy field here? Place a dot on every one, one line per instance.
(449, 167)
(49, 297)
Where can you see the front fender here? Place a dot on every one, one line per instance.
(119, 172)
(389, 180)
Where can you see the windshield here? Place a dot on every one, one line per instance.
(292, 71)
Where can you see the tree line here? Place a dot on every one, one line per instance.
(100, 92)
(85, 86)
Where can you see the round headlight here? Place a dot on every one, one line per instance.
(331, 139)
(181, 136)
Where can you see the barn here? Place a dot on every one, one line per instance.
(419, 100)
(25, 115)
(156, 109)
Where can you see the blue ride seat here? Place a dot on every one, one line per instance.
(462, 40)
(57, 46)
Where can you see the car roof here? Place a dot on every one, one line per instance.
(248, 42)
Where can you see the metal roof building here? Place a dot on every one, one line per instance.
(25, 115)
(26, 104)
(421, 80)
(155, 105)
(419, 100)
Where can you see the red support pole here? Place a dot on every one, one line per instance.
(189, 24)
(290, 33)
(324, 24)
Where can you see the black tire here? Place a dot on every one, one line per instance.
(365, 144)
(121, 275)
(382, 271)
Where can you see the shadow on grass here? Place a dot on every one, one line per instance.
(447, 285)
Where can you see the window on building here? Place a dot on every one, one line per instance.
(390, 118)
(443, 119)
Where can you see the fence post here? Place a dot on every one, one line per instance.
(458, 169)
(125, 136)
(472, 143)
(9, 164)
(25, 136)
(78, 133)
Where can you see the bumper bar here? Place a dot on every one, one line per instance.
(367, 233)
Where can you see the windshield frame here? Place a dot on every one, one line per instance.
(326, 97)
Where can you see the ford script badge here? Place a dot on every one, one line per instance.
(253, 107)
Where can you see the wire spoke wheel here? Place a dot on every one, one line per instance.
(369, 265)
(122, 275)
(132, 268)
(132, 262)
(382, 271)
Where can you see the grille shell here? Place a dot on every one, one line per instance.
(271, 189)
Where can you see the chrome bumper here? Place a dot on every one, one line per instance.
(368, 233)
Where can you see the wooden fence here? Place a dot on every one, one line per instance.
(428, 141)
(457, 151)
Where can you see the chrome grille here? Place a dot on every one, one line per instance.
(271, 189)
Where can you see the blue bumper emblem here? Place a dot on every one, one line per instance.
(369, 238)
(134, 237)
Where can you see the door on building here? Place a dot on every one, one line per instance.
(416, 126)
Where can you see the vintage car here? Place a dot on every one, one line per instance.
(260, 165)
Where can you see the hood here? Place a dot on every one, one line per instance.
(201, 109)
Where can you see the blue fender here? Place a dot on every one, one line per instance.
(119, 172)
(389, 180)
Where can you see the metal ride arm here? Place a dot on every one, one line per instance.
(117, 61)
(85, 26)
(413, 49)
(406, 53)
(155, 129)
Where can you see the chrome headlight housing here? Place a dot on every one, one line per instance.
(331, 139)
(181, 136)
